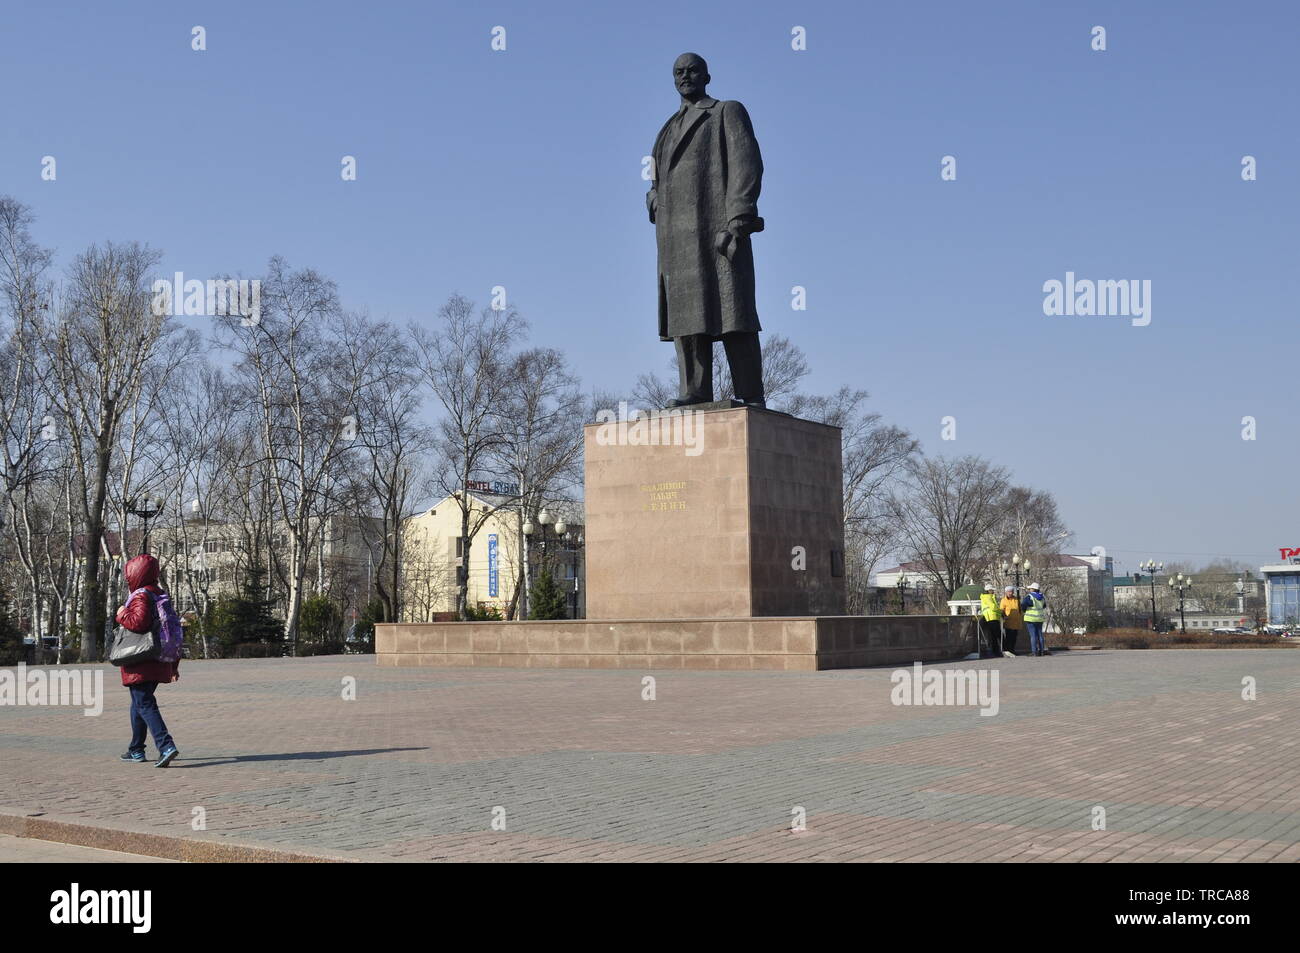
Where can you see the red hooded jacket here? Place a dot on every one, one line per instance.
(138, 616)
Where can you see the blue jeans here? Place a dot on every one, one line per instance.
(1036, 643)
(146, 716)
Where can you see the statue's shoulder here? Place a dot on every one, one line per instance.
(734, 110)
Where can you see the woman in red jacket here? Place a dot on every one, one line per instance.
(139, 615)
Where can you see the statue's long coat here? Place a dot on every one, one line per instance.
(706, 178)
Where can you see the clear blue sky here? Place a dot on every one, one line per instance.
(522, 168)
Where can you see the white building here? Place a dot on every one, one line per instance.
(1092, 573)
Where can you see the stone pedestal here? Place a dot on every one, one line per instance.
(781, 644)
(714, 540)
(713, 514)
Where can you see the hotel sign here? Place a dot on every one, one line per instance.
(493, 574)
(495, 487)
(1288, 553)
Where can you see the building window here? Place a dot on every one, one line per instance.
(1284, 598)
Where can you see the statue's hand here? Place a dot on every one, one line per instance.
(727, 242)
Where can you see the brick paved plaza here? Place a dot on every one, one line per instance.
(711, 770)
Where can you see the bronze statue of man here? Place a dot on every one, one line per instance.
(703, 203)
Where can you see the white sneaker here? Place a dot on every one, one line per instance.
(1008, 655)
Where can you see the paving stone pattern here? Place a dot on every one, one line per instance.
(711, 770)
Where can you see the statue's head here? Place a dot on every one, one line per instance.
(691, 75)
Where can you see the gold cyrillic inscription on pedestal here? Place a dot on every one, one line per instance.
(663, 496)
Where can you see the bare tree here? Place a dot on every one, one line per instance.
(199, 416)
(145, 462)
(427, 581)
(297, 362)
(466, 362)
(1030, 527)
(394, 443)
(540, 422)
(1069, 604)
(106, 335)
(947, 513)
(26, 431)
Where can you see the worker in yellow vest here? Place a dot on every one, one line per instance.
(1012, 621)
(990, 624)
(1035, 610)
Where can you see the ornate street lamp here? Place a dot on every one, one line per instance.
(1015, 567)
(1181, 584)
(146, 508)
(571, 543)
(546, 519)
(1151, 568)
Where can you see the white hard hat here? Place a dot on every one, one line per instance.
(1033, 585)
(988, 588)
(1008, 588)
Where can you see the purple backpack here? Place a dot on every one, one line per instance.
(171, 636)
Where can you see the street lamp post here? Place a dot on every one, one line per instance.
(577, 545)
(570, 543)
(1015, 567)
(1151, 567)
(561, 531)
(146, 508)
(1181, 584)
(527, 529)
(545, 519)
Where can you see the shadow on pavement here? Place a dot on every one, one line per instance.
(290, 756)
